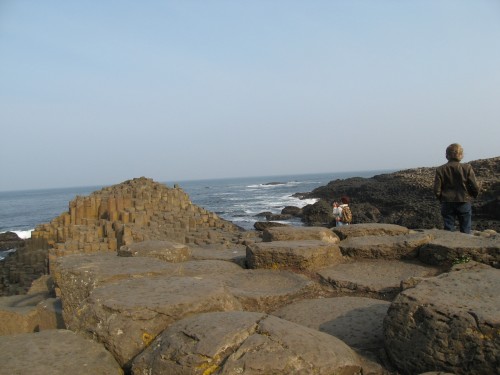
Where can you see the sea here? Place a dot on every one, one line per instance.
(238, 200)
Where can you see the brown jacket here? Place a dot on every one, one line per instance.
(455, 182)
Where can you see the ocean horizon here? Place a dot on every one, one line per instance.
(236, 199)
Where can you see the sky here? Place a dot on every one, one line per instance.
(99, 92)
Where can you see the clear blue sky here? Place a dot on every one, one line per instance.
(98, 92)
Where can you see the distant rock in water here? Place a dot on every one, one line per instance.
(274, 183)
(406, 198)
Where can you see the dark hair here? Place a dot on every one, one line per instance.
(345, 199)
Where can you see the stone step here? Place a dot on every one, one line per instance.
(375, 277)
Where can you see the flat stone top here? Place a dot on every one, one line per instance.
(472, 289)
(55, 352)
(299, 233)
(297, 245)
(400, 240)
(461, 240)
(159, 293)
(370, 229)
(266, 282)
(22, 303)
(215, 253)
(358, 321)
(377, 275)
(154, 245)
(109, 266)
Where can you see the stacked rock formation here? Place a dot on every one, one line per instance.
(133, 211)
(19, 269)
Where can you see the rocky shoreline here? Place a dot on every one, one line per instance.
(406, 198)
(138, 280)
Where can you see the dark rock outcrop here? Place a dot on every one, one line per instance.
(406, 198)
(292, 210)
(10, 240)
(263, 225)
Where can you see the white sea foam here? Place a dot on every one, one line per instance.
(23, 234)
(304, 202)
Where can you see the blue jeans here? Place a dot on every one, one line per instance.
(460, 210)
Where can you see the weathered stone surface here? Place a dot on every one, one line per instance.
(369, 229)
(298, 234)
(168, 251)
(44, 284)
(127, 316)
(54, 352)
(301, 255)
(77, 275)
(236, 254)
(18, 314)
(448, 323)
(50, 314)
(403, 246)
(358, 321)
(451, 247)
(245, 342)
(380, 277)
(265, 290)
(31, 312)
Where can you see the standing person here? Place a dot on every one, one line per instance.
(342, 213)
(337, 213)
(455, 185)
